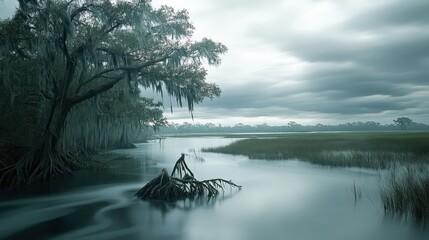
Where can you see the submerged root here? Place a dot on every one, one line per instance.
(163, 187)
(42, 166)
(182, 184)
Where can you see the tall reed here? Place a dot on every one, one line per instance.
(406, 193)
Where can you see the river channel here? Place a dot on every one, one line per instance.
(279, 200)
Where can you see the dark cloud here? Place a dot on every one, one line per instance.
(406, 50)
(315, 61)
(392, 15)
(334, 100)
(369, 63)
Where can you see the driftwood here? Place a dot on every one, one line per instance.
(182, 184)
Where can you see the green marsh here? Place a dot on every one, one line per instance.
(345, 149)
(405, 193)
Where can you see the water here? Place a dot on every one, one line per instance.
(279, 200)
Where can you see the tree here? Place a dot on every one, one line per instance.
(80, 49)
(403, 122)
(294, 126)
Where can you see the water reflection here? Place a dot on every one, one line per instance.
(187, 204)
(279, 200)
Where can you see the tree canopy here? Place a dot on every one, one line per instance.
(81, 48)
(70, 51)
(403, 122)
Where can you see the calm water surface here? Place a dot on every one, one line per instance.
(279, 200)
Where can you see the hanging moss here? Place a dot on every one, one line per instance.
(75, 51)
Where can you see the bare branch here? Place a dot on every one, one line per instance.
(80, 10)
(170, 188)
(68, 3)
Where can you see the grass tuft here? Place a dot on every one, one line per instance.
(407, 194)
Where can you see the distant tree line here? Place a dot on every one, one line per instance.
(293, 127)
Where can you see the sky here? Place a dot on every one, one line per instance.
(311, 61)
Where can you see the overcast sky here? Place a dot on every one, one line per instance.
(315, 61)
(312, 61)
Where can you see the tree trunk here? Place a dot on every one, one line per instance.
(125, 139)
(46, 161)
(55, 124)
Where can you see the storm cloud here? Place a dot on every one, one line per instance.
(312, 61)
(317, 61)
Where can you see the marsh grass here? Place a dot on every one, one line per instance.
(406, 194)
(357, 194)
(367, 150)
(406, 155)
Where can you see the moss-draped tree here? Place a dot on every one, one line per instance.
(78, 49)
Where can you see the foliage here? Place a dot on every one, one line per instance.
(403, 122)
(78, 49)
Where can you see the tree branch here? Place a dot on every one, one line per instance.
(80, 10)
(64, 45)
(124, 68)
(95, 91)
(79, 50)
(71, 63)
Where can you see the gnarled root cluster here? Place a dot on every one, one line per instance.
(42, 166)
(182, 184)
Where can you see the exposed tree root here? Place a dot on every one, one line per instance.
(163, 187)
(40, 165)
(10, 153)
(182, 184)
